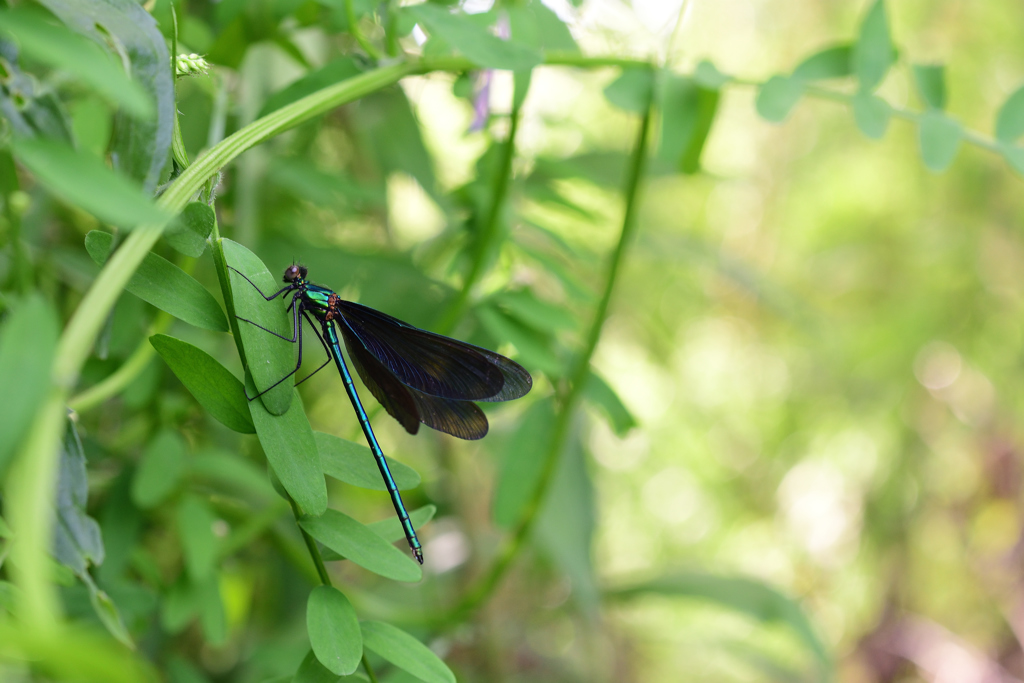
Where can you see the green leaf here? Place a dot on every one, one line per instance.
(291, 450)
(31, 108)
(566, 522)
(538, 27)
(213, 385)
(108, 613)
(832, 62)
(405, 652)
(524, 306)
(28, 341)
(159, 282)
(631, 91)
(160, 470)
(688, 111)
(474, 41)
(707, 75)
(871, 114)
(1010, 121)
(522, 463)
(748, 596)
(598, 392)
(81, 179)
(940, 138)
(139, 147)
(268, 357)
(77, 541)
(873, 54)
(390, 529)
(930, 80)
(212, 616)
(1014, 156)
(777, 97)
(188, 232)
(60, 48)
(354, 464)
(198, 542)
(333, 72)
(312, 671)
(534, 348)
(334, 630)
(359, 543)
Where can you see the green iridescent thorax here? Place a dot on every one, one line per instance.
(316, 299)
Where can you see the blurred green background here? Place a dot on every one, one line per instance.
(808, 465)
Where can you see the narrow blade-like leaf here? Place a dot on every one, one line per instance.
(405, 652)
(353, 464)
(359, 543)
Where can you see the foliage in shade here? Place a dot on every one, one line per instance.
(188, 233)
(161, 470)
(164, 285)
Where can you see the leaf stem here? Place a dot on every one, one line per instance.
(369, 669)
(513, 544)
(489, 228)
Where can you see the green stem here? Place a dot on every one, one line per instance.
(353, 28)
(489, 228)
(369, 669)
(513, 544)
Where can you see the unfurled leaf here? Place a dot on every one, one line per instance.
(139, 147)
(30, 107)
(475, 42)
(940, 138)
(872, 114)
(598, 392)
(1010, 121)
(213, 385)
(361, 545)
(269, 358)
(199, 543)
(873, 54)
(291, 450)
(160, 470)
(333, 629)
(832, 62)
(930, 80)
(522, 463)
(354, 464)
(84, 181)
(159, 282)
(28, 340)
(77, 541)
(405, 652)
(58, 47)
(390, 529)
(777, 97)
(748, 596)
(188, 232)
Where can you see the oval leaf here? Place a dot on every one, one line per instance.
(353, 464)
(334, 630)
(188, 233)
(160, 470)
(474, 41)
(871, 114)
(269, 358)
(390, 529)
(159, 282)
(930, 80)
(873, 54)
(28, 341)
(631, 91)
(213, 385)
(405, 652)
(198, 542)
(1010, 122)
(777, 97)
(940, 139)
(291, 451)
(359, 543)
(832, 62)
(84, 181)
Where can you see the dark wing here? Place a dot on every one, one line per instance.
(461, 419)
(431, 363)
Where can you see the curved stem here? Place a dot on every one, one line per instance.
(489, 228)
(513, 544)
